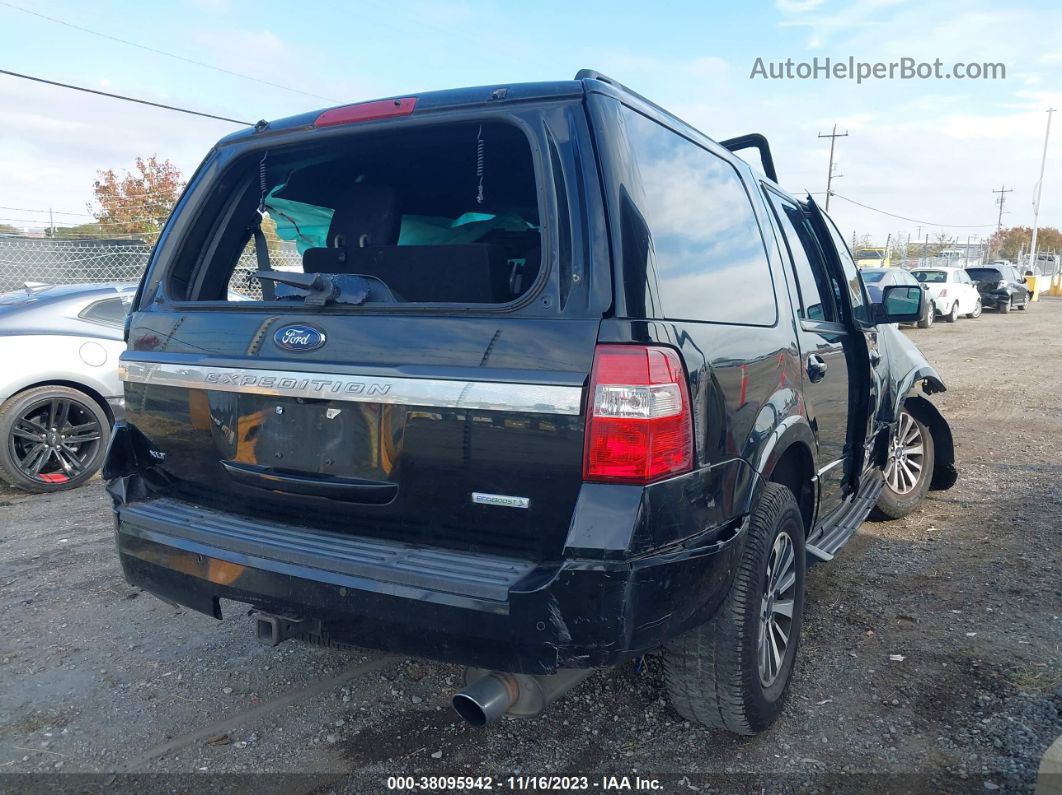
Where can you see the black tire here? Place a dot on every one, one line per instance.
(899, 496)
(976, 312)
(1004, 306)
(66, 463)
(929, 316)
(713, 671)
(1024, 304)
(953, 315)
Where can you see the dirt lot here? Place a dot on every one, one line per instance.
(98, 678)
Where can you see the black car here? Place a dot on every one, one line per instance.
(1000, 286)
(562, 382)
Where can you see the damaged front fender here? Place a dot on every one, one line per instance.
(906, 367)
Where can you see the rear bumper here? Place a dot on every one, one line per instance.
(464, 608)
(992, 299)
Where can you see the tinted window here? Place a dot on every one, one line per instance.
(851, 273)
(931, 276)
(810, 272)
(709, 254)
(110, 310)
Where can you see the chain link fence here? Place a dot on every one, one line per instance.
(49, 261)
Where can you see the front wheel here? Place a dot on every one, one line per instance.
(976, 310)
(733, 671)
(908, 470)
(1024, 304)
(53, 438)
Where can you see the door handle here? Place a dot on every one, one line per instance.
(816, 368)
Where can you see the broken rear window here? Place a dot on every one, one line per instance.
(444, 214)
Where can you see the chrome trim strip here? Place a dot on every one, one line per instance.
(485, 395)
(829, 466)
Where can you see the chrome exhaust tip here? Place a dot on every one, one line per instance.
(490, 694)
(487, 698)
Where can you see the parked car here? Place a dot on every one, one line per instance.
(953, 292)
(872, 258)
(59, 387)
(1001, 287)
(564, 381)
(877, 279)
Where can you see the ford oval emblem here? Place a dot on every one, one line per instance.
(299, 338)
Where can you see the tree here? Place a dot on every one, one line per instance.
(140, 202)
(7, 229)
(1009, 243)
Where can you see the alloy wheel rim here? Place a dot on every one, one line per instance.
(977, 309)
(776, 609)
(53, 441)
(906, 460)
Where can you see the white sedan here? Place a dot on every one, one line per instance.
(59, 387)
(952, 290)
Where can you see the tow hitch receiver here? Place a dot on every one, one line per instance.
(272, 630)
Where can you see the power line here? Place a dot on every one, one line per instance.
(126, 99)
(161, 52)
(905, 218)
(30, 210)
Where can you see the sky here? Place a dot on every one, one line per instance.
(931, 150)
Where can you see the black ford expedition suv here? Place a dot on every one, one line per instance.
(535, 379)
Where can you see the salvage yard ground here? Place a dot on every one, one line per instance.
(931, 655)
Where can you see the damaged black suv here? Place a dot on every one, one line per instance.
(535, 379)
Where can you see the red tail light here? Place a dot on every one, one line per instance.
(944, 292)
(366, 111)
(639, 427)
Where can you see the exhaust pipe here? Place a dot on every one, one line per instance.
(490, 694)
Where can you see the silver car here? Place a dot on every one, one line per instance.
(59, 387)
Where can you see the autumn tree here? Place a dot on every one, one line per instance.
(139, 202)
(7, 229)
(1009, 243)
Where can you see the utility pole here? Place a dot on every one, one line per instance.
(1036, 202)
(1003, 191)
(829, 176)
(51, 223)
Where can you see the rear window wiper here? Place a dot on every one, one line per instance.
(335, 288)
(319, 287)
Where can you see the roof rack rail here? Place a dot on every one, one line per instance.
(593, 74)
(754, 141)
(750, 141)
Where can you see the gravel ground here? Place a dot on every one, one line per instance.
(101, 680)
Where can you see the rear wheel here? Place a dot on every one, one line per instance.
(1005, 306)
(733, 672)
(930, 316)
(976, 310)
(909, 468)
(54, 438)
(953, 315)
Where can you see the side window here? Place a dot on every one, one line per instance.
(812, 281)
(111, 310)
(703, 236)
(851, 273)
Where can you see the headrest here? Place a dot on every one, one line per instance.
(367, 215)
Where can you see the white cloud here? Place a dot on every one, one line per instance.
(797, 6)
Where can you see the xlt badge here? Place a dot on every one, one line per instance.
(299, 338)
(501, 500)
